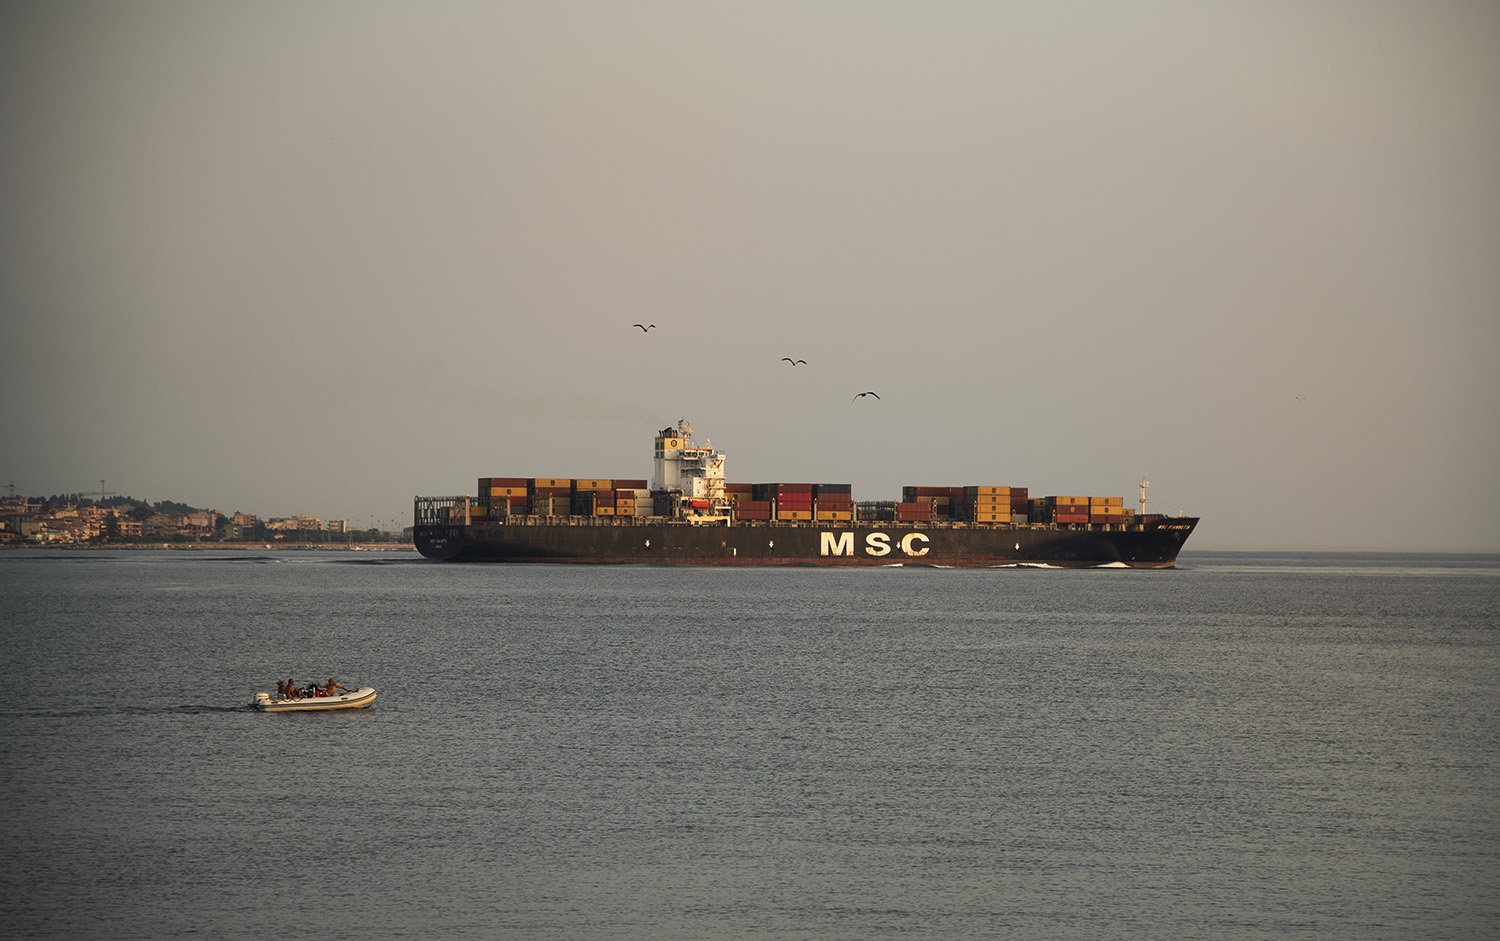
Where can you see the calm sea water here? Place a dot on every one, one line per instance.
(1251, 746)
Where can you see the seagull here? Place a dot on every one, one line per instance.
(862, 395)
(794, 362)
(644, 327)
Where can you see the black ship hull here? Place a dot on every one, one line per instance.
(756, 544)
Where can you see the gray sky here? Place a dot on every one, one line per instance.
(320, 256)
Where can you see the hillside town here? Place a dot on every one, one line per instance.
(67, 520)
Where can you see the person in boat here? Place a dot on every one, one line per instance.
(289, 691)
(333, 688)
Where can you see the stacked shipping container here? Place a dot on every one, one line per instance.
(976, 503)
(746, 505)
(560, 496)
(550, 496)
(1079, 509)
(992, 503)
(920, 504)
(828, 503)
(833, 503)
(791, 501)
(501, 496)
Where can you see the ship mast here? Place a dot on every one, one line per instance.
(1144, 484)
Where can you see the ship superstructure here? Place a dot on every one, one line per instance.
(688, 480)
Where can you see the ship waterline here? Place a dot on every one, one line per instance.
(873, 544)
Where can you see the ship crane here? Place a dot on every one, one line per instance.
(1144, 485)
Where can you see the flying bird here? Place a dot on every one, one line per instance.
(644, 327)
(794, 362)
(862, 395)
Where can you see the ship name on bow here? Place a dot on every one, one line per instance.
(875, 544)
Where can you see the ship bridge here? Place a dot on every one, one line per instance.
(685, 467)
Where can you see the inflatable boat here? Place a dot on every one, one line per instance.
(353, 699)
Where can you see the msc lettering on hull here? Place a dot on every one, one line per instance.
(876, 544)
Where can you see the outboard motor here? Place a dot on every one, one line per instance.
(261, 699)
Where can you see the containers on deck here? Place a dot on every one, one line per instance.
(830, 503)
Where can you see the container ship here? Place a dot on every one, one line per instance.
(690, 514)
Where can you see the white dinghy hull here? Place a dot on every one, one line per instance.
(354, 699)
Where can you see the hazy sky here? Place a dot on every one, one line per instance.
(319, 257)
